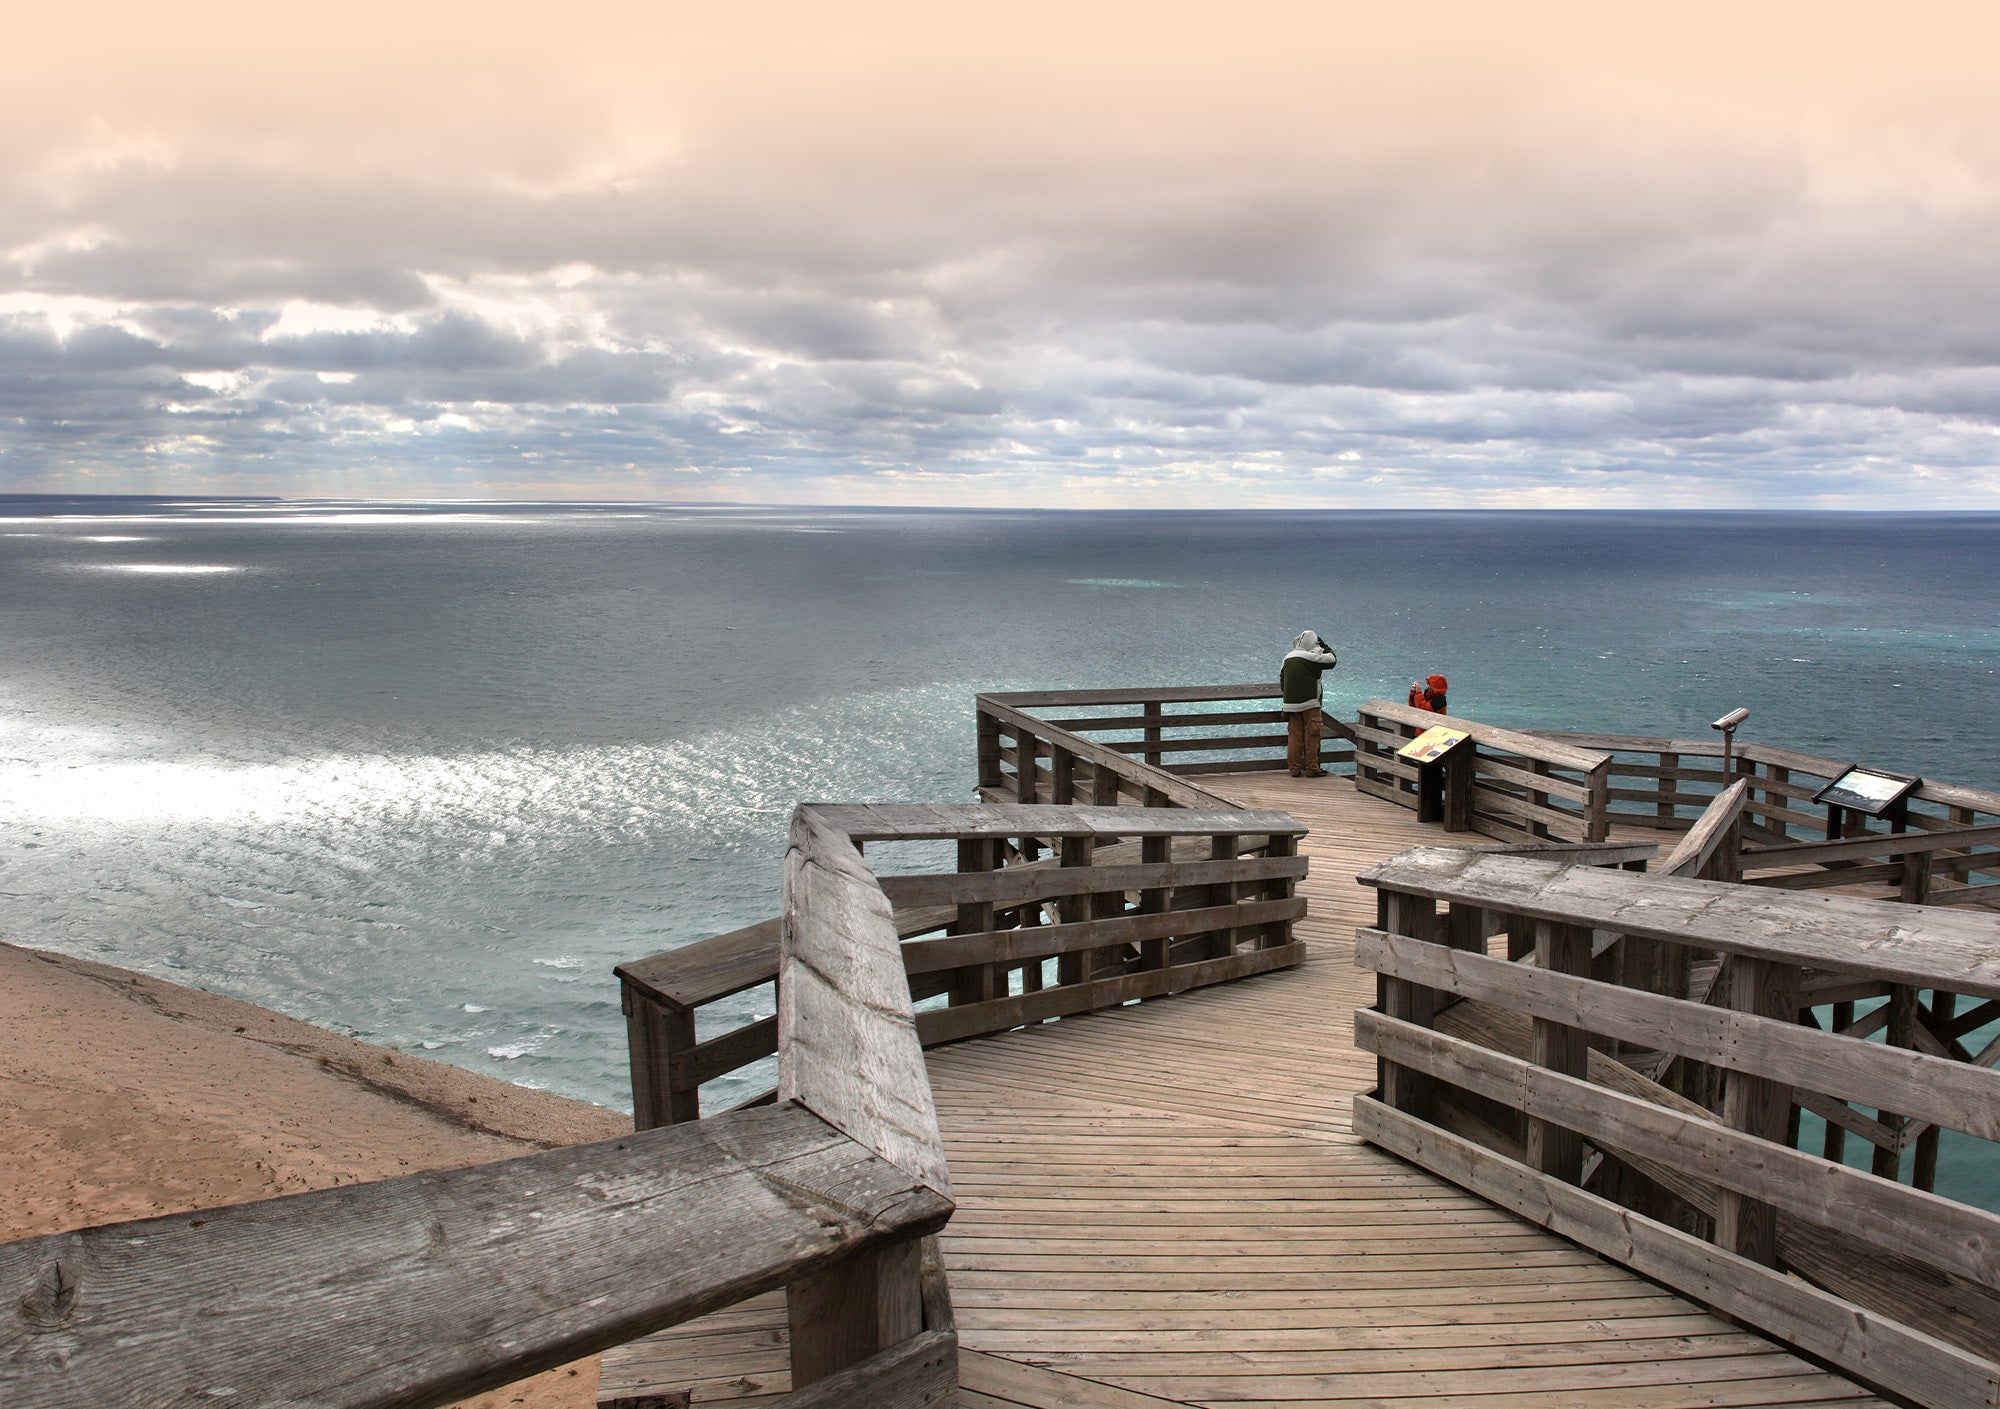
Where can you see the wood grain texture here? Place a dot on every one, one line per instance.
(847, 1034)
(1951, 1093)
(1164, 1203)
(1899, 1357)
(1925, 947)
(417, 1290)
(1894, 1217)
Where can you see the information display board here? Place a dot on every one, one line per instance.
(1431, 745)
(1867, 790)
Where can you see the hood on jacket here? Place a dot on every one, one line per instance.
(1437, 684)
(1306, 641)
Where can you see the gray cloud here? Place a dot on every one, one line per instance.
(1460, 287)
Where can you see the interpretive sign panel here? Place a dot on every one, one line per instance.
(1431, 745)
(1866, 790)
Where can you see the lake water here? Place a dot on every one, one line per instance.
(424, 773)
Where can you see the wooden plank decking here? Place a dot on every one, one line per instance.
(1162, 1204)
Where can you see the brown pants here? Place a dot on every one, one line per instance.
(1302, 740)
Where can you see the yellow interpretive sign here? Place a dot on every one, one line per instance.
(1431, 745)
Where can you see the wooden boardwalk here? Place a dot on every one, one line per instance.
(1162, 1204)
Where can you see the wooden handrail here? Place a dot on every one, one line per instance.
(1928, 949)
(423, 1289)
(1143, 694)
(1763, 858)
(1143, 771)
(1516, 792)
(868, 821)
(1215, 900)
(1497, 1074)
(1717, 833)
(412, 1292)
(1516, 741)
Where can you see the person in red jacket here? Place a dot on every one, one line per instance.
(1434, 693)
(1428, 694)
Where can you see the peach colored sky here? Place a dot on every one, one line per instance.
(1280, 254)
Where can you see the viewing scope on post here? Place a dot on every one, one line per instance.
(1727, 724)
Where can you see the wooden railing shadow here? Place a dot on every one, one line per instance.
(416, 1291)
(1525, 1082)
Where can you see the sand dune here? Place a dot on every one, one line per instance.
(123, 1096)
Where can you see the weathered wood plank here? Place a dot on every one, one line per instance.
(1045, 941)
(1928, 948)
(722, 1054)
(429, 1287)
(1012, 885)
(1552, 751)
(903, 822)
(1933, 1088)
(1895, 1217)
(1879, 844)
(1027, 727)
(848, 1046)
(1081, 725)
(1863, 1343)
(1715, 828)
(918, 1373)
(1552, 1148)
(1164, 694)
(952, 1024)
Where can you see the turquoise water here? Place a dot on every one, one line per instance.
(426, 772)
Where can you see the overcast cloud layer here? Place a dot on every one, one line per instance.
(1282, 255)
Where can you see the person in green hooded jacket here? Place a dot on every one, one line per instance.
(1299, 682)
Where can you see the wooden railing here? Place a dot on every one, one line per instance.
(1025, 757)
(1525, 786)
(1944, 850)
(1526, 1083)
(423, 1289)
(1131, 903)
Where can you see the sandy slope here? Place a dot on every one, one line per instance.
(123, 1096)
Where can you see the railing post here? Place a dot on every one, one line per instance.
(1153, 712)
(1078, 965)
(1062, 775)
(1915, 886)
(1901, 1032)
(1923, 1172)
(1103, 787)
(975, 983)
(1756, 1105)
(1668, 806)
(848, 1052)
(989, 751)
(1224, 848)
(1834, 1146)
(1554, 1149)
(1282, 888)
(1414, 915)
(1773, 774)
(1027, 748)
(1535, 827)
(1154, 900)
(859, 1306)
(657, 1037)
(1597, 808)
(1465, 927)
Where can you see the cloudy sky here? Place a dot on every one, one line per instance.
(1225, 255)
